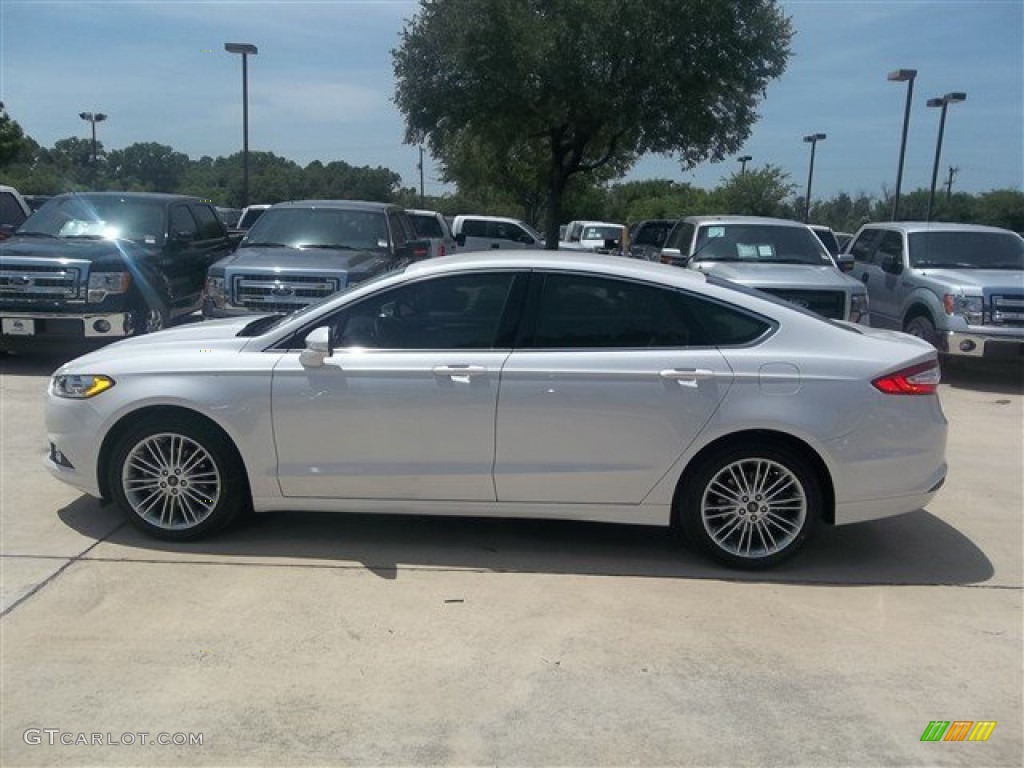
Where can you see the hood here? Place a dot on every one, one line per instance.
(298, 260)
(94, 251)
(779, 276)
(983, 280)
(207, 335)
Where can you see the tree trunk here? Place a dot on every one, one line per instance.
(556, 188)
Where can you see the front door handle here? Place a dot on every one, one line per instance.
(687, 374)
(459, 372)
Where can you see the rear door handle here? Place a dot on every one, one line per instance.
(687, 374)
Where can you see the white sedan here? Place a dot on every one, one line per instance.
(514, 384)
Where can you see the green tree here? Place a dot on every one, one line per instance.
(147, 166)
(755, 192)
(12, 139)
(1001, 208)
(577, 85)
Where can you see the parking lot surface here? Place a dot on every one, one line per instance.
(305, 639)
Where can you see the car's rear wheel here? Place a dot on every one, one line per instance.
(923, 328)
(177, 479)
(751, 506)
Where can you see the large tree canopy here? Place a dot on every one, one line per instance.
(583, 84)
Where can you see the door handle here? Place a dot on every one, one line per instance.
(459, 371)
(687, 374)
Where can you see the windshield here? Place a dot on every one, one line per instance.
(601, 233)
(96, 217)
(652, 234)
(967, 250)
(249, 217)
(320, 227)
(760, 244)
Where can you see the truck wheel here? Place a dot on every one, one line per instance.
(923, 328)
(149, 319)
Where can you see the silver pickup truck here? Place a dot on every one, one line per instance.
(299, 252)
(777, 256)
(959, 286)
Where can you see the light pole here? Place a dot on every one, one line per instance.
(93, 118)
(813, 140)
(245, 49)
(902, 76)
(943, 102)
(744, 159)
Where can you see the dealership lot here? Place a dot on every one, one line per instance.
(302, 639)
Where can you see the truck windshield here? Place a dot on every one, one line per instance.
(99, 217)
(967, 250)
(760, 244)
(319, 227)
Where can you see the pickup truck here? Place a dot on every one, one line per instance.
(99, 266)
(781, 257)
(958, 286)
(299, 252)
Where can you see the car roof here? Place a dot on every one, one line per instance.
(731, 219)
(555, 260)
(422, 212)
(483, 217)
(350, 205)
(934, 226)
(160, 197)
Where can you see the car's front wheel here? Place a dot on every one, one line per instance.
(751, 506)
(923, 328)
(177, 479)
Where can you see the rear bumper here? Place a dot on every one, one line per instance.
(875, 509)
(993, 347)
(64, 326)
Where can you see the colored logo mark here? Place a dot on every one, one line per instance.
(958, 730)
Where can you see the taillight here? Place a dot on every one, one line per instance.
(441, 249)
(920, 379)
(664, 258)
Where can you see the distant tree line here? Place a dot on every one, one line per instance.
(766, 191)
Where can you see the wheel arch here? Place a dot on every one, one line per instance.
(740, 439)
(154, 412)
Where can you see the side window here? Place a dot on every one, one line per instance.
(457, 312)
(863, 248)
(10, 212)
(398, 233)
(210, 226)
(680, 237)
(475, 228)
(182, 221)
(582, 311)
(890, 245)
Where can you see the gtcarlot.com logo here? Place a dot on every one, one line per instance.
(958, 730)
(55, 736)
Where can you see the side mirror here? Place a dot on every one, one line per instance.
(672, 256)
(892, 264)
(183, 236)
(460, 240)
(318, 347)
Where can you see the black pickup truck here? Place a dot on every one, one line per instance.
(98, 266)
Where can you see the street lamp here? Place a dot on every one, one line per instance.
(744, 159)
(902, 76)
(813, 140)
(245, 49)
(944, 102)
(93, 118)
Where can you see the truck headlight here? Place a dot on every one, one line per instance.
(214, 292)
(102, 284)
(970, 308)
(858, 307)
(79, 386)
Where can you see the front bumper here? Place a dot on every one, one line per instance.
(65, 326)
(987, 345)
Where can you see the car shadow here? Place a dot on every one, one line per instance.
(1002, 377)
(41, 361)
(913, 549)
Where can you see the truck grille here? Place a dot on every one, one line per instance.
(35, 283)
(1008, 309)
(831, 304)
(264, 293)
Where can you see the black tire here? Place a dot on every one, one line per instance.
(734, 524)
(177, 479)
(149, 319)
(923, 328)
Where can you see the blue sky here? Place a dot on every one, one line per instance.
(322, 83)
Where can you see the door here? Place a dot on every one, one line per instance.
(404, 408)
(885, 287)
(180, 260)
(611, 384)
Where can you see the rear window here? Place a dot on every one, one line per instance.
(426, 226)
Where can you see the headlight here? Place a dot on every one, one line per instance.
(103, 283)
(214, 291)
(858, 307)
(79, 386)
(968, 307)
